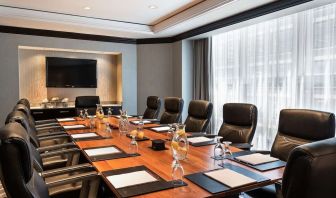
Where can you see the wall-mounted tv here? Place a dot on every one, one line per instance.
(71, 72)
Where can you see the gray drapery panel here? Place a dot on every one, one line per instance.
(202, 83)
(202, 69)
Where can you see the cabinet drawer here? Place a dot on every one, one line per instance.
(62, 113)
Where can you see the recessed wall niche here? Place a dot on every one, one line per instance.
(32, 74)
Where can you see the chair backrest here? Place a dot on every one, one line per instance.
(173, 110)
(199, 115)
(153, 107)
(301, 126)
(310, 171)
(239, 122)
(18, 176)
(21, 118)
(24, 101)
(23, 108)
(87, 102)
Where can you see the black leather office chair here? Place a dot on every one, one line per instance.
(173, 110)
(199, 115)
(239, 124)
(297, 127)
(24, 101)
(20, 179)
(310, 171)
(153, 108)
(87, 102)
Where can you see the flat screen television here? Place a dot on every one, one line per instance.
(71, 72)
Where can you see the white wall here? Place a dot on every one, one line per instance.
(9, 75)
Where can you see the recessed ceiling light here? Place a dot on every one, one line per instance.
(152, 7)
(87, 8)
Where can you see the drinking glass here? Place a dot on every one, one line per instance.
(86, 114)
(108, 129)
(170, 132)
(109, 112)
(92, 122)
(227, 151)
(218, 149)
(81, 114)
(133, 145)
(140, 127)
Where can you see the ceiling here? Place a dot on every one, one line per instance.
(123, 18)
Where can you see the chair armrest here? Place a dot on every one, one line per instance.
(51, 133)
(47, 125)
(56, 147)
(245, 146)
(68, 169)
(52, 137)
(45, 121)
(73, 179)
(59, 152)
(48, 128)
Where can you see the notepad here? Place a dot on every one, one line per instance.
(130, 179)
(199, 139)
(127, 116)
(137, 122)
(102, 151)
(65, 119)
(256, 158)
(230, 178)
(84, 135)
(165, 128)
(77, 126)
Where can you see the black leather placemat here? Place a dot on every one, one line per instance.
(214, 186)
(140, 189)
(122, 154)
(99, 137)
(203, 143)
(260, 167)
(138, 139)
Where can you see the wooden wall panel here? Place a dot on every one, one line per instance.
(32, 74)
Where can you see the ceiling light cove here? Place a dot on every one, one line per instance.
(87, 8)
(152, 7)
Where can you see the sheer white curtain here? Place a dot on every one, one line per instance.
(287, 62)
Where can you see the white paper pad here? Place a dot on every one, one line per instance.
(65, 119)
(77, 126)
(199, 139)
(230, 178)
(137, 122)
(165, 128)
(102, 151)
(127, 116)
(256, 158)
(83, 135)
(130, 179)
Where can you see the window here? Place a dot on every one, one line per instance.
(289, 62)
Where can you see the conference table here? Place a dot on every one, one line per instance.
(160, 162)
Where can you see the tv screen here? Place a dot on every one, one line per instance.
(70, 72)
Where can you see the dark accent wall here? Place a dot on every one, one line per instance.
(250, 14)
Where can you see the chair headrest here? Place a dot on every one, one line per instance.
(23, 108)
(24, 101)
(239, 113)
(87, 101)
(14, 137)
(307, 124)
(153, 102)
(174, 104)
(200, 109)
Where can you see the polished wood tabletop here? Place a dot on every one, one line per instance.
(198, 160)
